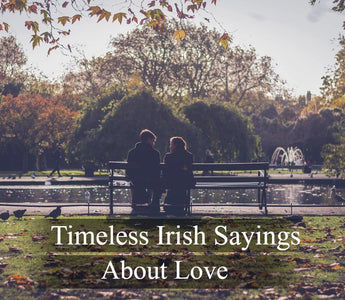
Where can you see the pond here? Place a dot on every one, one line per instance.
(276, 194)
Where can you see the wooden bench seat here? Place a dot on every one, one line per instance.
(251, 176)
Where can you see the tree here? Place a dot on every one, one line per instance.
(35, 123)
(334, 153)
(228, 134)
(91, 118)
(168, 67)
(333, 84)
(244, 71)
(195, 67)
(338, 6)
(40, 84)
(56, 17)
(12, 59)
(120, 128)
(94, 77)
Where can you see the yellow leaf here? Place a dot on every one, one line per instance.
(119, 17)
(95, 10)
(179, 34)
(6, 26)
(36, 40)
(104, 14)
(63, 20)
(224, 40)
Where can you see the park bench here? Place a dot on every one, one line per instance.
(247, 176)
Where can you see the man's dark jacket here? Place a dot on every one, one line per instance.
(143, 164)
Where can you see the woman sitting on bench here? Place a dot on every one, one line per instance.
(178, 175)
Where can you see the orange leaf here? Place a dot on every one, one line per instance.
(32, 9)
(76, 18)
(179, 34)
(337, 267)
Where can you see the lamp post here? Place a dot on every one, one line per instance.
(87, 199)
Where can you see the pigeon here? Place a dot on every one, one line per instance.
(19, 213)
(336, 197)
(54, 213)
(294, 218)
(5, 215)
(33, 175)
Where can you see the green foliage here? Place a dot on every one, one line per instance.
(334, 158)
(309, 133)
(12, 59)
(314, 131)
(119, 131)
(334, 154)
(228, 134)
(91, 119)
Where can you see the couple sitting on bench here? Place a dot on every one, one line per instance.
(143, 169)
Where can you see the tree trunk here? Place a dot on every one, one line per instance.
(38, 156)
(25, 161)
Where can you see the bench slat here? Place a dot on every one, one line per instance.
(120, 165)
(210, 179)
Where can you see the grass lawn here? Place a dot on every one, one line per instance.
(32, 266)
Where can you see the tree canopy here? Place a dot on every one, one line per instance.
(112, 136)
(12, 59)
(50, 20)
(194, 67)
(34, 123)
(227, 133)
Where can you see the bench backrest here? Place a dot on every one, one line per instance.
(261, 167)
(122, 165)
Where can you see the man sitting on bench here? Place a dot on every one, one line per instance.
(143, 169)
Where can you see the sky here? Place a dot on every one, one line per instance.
(301, 39)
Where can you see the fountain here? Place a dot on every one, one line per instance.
(292, 156)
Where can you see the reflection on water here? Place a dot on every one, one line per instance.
(276, 194)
